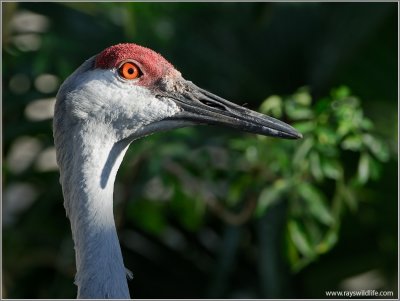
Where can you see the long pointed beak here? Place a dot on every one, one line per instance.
(202, 107)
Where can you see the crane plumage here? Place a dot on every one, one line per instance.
(124, 93)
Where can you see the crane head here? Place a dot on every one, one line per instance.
(133, 91)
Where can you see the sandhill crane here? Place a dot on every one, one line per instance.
(125, 92)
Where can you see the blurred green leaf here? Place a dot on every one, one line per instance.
(322, 105)
(299, 238)
(272, 106)
(303, 150)
(314, 231)
(302, 97)
(363, 168)
(348, 196)
(271, 195)
(291, 249)
(315, 166)
(331, 168)
(340, 92)
(316, 203)
(353, 143)
(326, 136)
(304, 127)
(367, 124)
(345, 127)
(296, 112)
(377, 148)
(252, 154)
(328, 242)
(374, 168)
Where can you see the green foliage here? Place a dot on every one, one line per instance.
(312, 173)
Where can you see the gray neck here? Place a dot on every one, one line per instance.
(89, 158)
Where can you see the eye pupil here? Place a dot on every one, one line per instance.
(129, 70)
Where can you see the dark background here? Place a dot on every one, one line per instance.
(241, 51)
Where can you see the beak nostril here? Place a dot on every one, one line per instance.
(212, 104)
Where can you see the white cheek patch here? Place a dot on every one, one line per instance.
(102, 96)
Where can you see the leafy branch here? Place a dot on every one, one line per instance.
(313, 174)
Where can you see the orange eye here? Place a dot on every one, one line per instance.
(129, 70)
